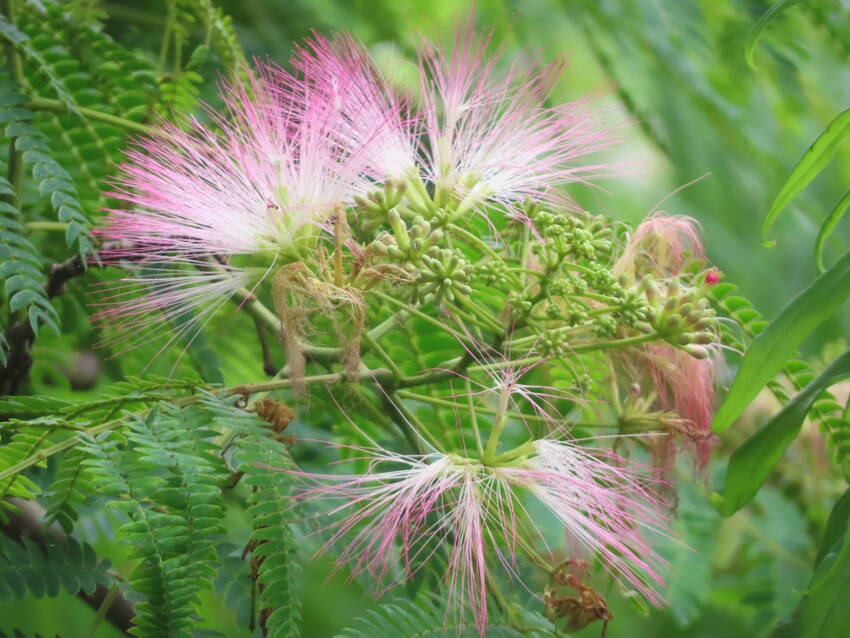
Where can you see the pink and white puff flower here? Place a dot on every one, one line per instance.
(274, 173)
(491, 135)
(393, 518)
(264, 182)
(372, 115)
(608, 506)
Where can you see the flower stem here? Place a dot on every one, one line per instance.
(376, 347)
(473, 417)
(521, 450)
(489, 456)
(417, 313)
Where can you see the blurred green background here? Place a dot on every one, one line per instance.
(675, 70)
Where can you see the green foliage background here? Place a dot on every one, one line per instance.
(675, 69)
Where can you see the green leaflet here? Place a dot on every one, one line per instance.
(836, 525)
(20, 264)
(770, 350)
(425, 617)
(61, 566)
(22, 445)
(23, 42)
(69, 489)
(825, 610)
(220, 34)
(166, 477)
(813, 162)
(273, 545)
(752, 462)
(761, 24)
(828, 226)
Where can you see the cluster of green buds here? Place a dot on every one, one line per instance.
(580, 237)
(633, 307)
(445, 274)
(407, 245)
(381, 201)
(493, 272)
(681, 315)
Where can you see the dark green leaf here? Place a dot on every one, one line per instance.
(825, 611)
(777, 343)
(752, 463)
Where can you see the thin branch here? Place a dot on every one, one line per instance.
(57, 106)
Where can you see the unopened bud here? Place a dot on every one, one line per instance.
(697, 352)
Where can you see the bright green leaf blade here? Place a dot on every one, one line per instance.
(836, 525)
(761, 24)
(813, 162)
(769, 351)
(828, 226)
(825, 611)
(752, 463)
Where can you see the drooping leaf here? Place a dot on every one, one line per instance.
(761, 24)
(752, 463)
(829, 225)
(810, 165)
(770, 350)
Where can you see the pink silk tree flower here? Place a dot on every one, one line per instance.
(372, 115)
(607, 505)
(396, 516)
(687, 385)
(662, 245)
(490, 134)
(264, 183)
(406, 514)
(662, 242)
